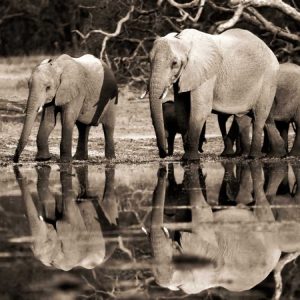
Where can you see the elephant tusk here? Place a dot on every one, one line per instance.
(145, 230)
(40, 109)
(144, 94)
(164, 94)
(41, 218)
(166, 232)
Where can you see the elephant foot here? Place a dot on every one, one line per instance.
(190, 156)
(162, 153)
(42, 157)
(294, 153)
(80, 156)
(242, 153)
(16, 159)
(110, 155)
(65, 159)
(255, 155)
(273, 154)
(227, 153)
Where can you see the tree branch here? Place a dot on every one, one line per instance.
(232, 21)
(271, 27)
(278, 4)
(107, 35)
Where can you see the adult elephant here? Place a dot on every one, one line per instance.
(285, 110)
(81, 89)
(233, 73)
(227, 248)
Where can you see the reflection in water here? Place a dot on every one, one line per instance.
(67, 228)
(218, 224)
(235, 244)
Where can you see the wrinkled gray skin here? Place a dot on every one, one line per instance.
(172, 127)
(215, 250)
(83, 90)
(68, 233)
(233, 73)
(285, 110)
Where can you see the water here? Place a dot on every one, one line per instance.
(218, 230)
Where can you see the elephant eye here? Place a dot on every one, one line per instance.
(174, 63)
(48, 88)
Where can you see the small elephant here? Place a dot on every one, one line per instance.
(172, 127)
(72, 228)
(84, 91)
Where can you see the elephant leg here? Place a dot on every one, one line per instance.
(170, 139)
(45, 195)
(48, 123)
(201, 106)
(202, 139)
(83, 180)
(109, 203)
(283, 128)
(262, 209)
(275, 174)
(109, 141)
(244, 195)
(295, 151)
(228, 141)
(277, 146)
(243, 131)
(108, 121)
(266, 143)
(68, 123)
(263, 116)
(82, 145)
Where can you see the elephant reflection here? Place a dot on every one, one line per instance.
(67, 228)
(221, 247)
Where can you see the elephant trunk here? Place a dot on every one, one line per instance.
(161, 245)
(156, 90)
(31, 113)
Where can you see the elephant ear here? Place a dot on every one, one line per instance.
(203, 61)
(72, 82)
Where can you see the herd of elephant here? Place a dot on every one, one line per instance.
(198, 240)
(233, 73)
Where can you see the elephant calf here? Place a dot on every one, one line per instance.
(172, 127)
(84, 91)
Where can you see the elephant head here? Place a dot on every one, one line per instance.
(60, 80)
(187, 59)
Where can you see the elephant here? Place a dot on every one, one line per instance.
(233, 73)
(285, 111)
(84, 91)
(223, 247)
(172, 127)
(69, 229)
(286, 107)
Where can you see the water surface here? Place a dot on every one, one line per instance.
(215, 230)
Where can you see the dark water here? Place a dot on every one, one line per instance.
(217, 230)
